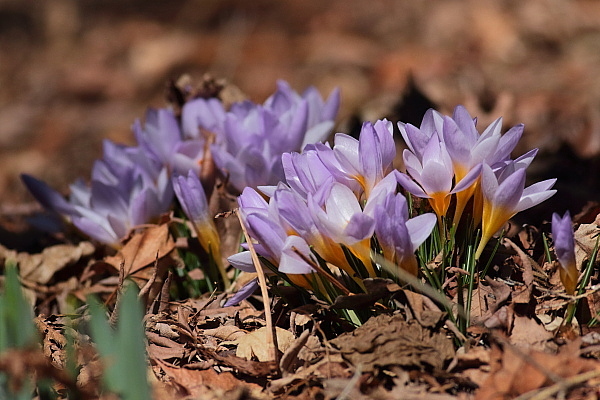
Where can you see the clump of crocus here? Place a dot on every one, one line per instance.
(132, 185)
(336, 201)
(564, 247)
(250, 138)
(447, 157)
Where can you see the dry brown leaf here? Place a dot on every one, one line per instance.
(143, 249)
(41, 267)
(388, 340)
(515, 372)
(528, 333)
(523, 295)
(255, 344)
(164, 348)
(200, 383)
(585, 241)
(225, 332)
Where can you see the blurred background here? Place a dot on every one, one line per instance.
(73, 72)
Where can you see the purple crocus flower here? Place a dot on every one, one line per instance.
(191, 196)
(250, 138)
(342, 220)
(306, 173)
(366, 160)
(275, 244)
(125, 191)
(504, 197)
(417, 138)
(433, 174)
(468, 149)
(162, 139)
(564, 247)
(399, 236)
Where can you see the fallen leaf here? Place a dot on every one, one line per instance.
(41, 267)
(255, 344)
(143, 249)
(199, 383)
(515, 372)
(388, 340)
(528, 333)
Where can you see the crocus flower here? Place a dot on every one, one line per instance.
(295, 218)
(251, 138)
(366, 160)
(274, 244)
(564, 247)
(342, 220)
(126, 190)
(306, 173)
(433, 175)
(399, 236)
(503, 198)
(162, 139)
(417, 138)
(468, 149)
(191, 196)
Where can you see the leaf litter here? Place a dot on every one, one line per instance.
(198, 349)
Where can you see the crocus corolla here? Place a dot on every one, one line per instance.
(503, 198)
(564, 247)
(342, 220)
(366, 160)
(193, 201)
(162, 139)
(399, 236)
(468, 149)
(433, 174)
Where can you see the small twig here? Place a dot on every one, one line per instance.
(146, 288)
(115, 313)
(272, 336)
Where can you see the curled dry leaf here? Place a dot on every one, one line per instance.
(585, 241)
(40, 268)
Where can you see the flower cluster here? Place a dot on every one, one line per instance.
(447, 156)
(250, 138)
(335, 199)
(341, 204)
(134, 185)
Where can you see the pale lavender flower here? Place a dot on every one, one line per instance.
(124, 192)
(274, 243)
(416, 139)
(366, 160)
(342, 220)
(433, 175)
(162, 139)
(191, 196)
(306, 173)
(399, 236)
(254, 137)
(564, 247)
(468, 149)
(504, 197)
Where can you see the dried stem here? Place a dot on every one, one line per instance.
(272, 336)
